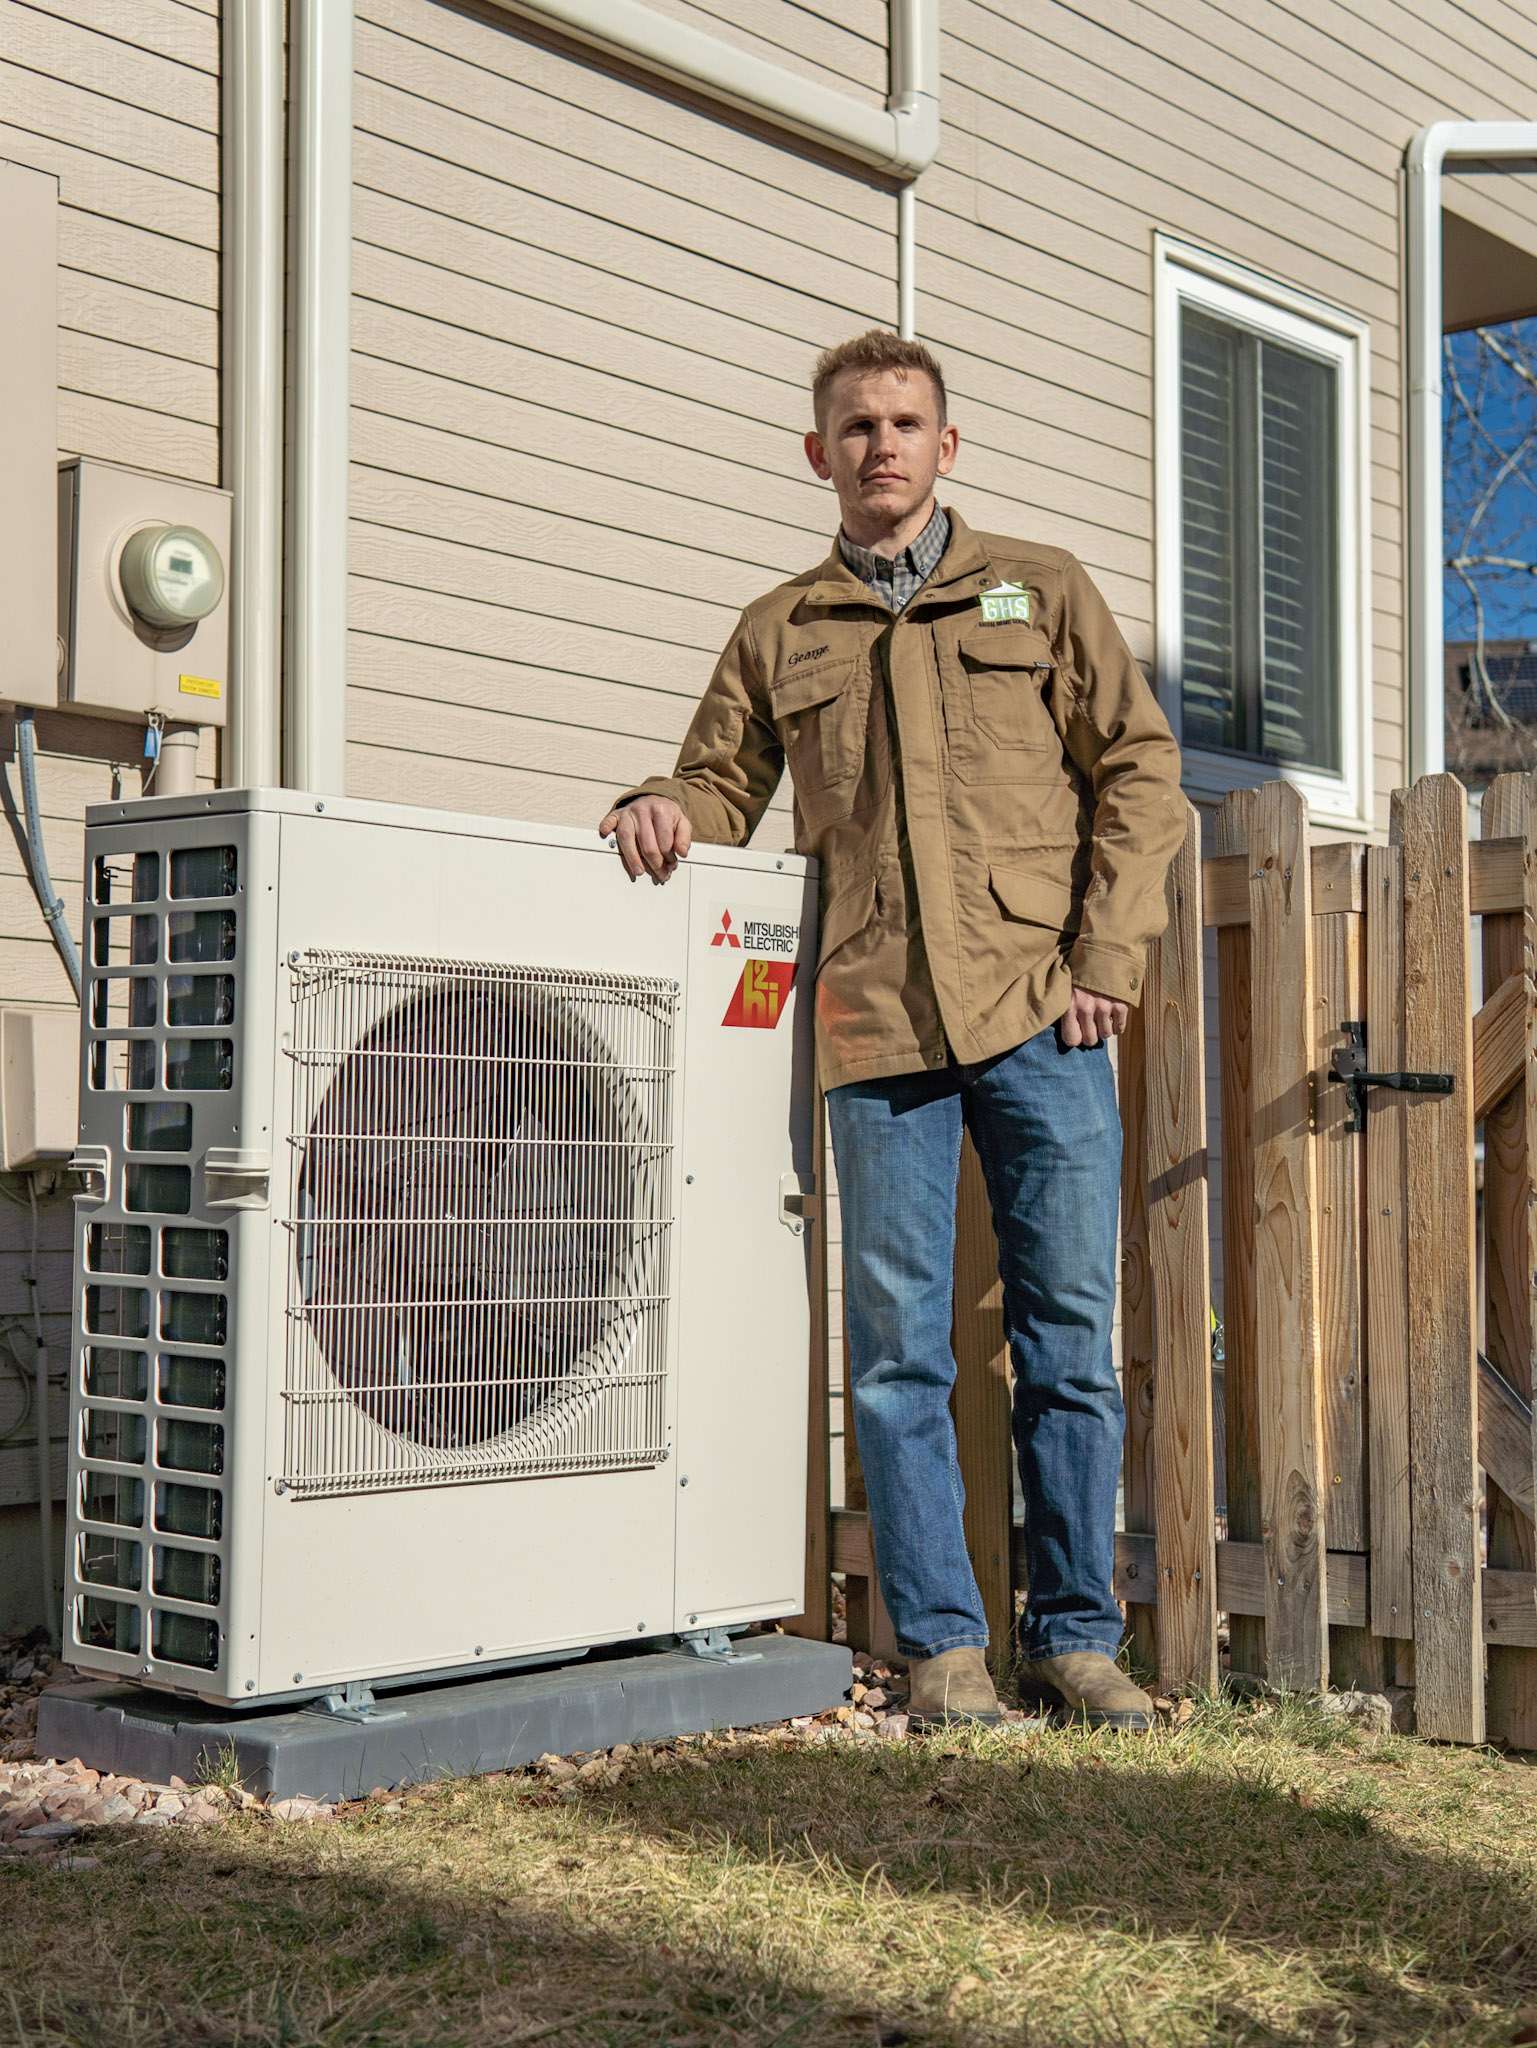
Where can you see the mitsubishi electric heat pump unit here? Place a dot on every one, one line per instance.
(441, 1278)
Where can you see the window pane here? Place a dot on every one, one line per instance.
(1299, 435)
(1209, 441)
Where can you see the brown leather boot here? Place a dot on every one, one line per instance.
(1091, 1690)
(951, 1689)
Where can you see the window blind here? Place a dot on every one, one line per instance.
(1259, 440)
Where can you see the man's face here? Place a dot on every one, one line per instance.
(882, 448)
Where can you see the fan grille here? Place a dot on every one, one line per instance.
(480, 1218)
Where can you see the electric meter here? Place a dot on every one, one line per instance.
(171, 575)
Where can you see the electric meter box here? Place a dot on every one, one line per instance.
(126, 539)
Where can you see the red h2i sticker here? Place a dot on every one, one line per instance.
(761, 994)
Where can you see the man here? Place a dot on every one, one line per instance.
(993, 795)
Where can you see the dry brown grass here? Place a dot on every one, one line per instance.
(1261, 1877)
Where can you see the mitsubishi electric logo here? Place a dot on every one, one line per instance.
(772, 943)
(765, 932)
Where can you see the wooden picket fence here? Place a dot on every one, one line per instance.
(1373, 1525)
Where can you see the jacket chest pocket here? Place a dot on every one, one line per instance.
(820, 717)
(999, 680)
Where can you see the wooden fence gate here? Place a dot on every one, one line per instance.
(1372, 1520)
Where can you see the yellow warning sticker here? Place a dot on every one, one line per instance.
(198, 686)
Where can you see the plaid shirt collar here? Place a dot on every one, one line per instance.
(897, 580)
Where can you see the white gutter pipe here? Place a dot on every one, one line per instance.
(1429, 153)
(253, 385)
(315, 729)
(901, 139)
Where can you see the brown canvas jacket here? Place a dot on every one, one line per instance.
(1009, 839)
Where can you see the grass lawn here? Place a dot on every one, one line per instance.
(1261, 1876)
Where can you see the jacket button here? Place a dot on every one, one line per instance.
(1134, 981)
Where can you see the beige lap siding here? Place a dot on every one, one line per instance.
(584, 317)
(1266, 133)
(119, 100)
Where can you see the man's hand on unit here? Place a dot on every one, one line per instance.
(1091, 1018)
(652, 835)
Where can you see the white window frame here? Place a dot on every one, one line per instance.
(1184, 275)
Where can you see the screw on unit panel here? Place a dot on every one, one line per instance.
(250, 1685)
(640, 1628)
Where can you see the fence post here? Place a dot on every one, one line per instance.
(981, 1403)
(816, 1617)
(1510, 1246)
(1179, 1263)
(867, 1625)
(1443, 1475)
(1288, 1392)
(1136, 1324)
(1356, 1657)
(1387, 1249)
(1246, 1632)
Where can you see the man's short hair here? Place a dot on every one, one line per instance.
(876, 349)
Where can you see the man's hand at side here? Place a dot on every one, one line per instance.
(653, 836)
(1091, 1018)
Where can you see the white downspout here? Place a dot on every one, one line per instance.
(1428, 154)
(253, 385)
(907, 259)
(315, 751)
(914, 74)
(902, 138)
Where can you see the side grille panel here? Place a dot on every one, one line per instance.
(480, 1218)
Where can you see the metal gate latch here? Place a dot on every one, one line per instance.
(1349, 1066)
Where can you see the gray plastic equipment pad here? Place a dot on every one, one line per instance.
(451, 1730)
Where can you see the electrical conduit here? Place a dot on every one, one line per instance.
(37, 856)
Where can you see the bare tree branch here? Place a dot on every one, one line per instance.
(1490, 469)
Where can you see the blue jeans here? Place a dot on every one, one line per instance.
(1047, 1130)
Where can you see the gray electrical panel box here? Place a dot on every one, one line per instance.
(39, 1086)
(29, 433)
(116, 660)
